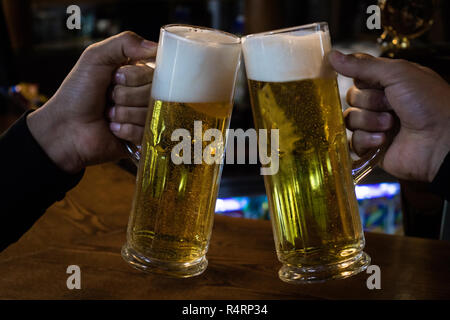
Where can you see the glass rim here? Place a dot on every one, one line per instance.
(317, 25)
(237, 39)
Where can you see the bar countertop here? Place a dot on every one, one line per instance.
(88, 229)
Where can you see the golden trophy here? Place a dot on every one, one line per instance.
(404, 20)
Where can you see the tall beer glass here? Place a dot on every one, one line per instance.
(173, 208)
(314, 212)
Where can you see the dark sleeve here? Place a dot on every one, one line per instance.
(441, 183)
(29, 182)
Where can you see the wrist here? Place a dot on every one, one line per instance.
(53, 135)
(442, 148)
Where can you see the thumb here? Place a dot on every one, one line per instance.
(119, 49)
(376, 72)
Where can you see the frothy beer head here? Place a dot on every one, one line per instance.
(286, 57)
(195, 65)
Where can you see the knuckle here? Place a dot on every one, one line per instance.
(129, 37)
(127, 34)
(403, 64)
(363, 56)
(92, 51)
(137, 75)
(91, 47)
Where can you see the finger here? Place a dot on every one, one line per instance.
(133, 75)
(133, 115)
(364, 85)
(131, 96)
(370, 99)
(363, 141)
(118, 49)
(360, 119)
(376, 72)
(126, 131)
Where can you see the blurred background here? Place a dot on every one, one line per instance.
(37, 51)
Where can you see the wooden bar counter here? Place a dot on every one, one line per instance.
(88, 229)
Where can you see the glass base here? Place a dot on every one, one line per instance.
(314, 274)
(171, 269)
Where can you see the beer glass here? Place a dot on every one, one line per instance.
(172, 213)
(314, 212)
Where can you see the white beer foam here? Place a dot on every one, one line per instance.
(287, 57)
(195, 65)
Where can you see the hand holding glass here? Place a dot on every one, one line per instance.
(314, 212)
(173, 208)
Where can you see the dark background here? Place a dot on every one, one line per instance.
(37, 47)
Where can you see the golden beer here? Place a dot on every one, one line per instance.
(312, 198)
(173, 208)
(174, 205)
(314, 212)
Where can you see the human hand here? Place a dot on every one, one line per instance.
(73, 127)
(418, 97)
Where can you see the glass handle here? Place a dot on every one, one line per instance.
(134, 152)
(365, 165)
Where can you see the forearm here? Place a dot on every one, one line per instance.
(30, 182)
